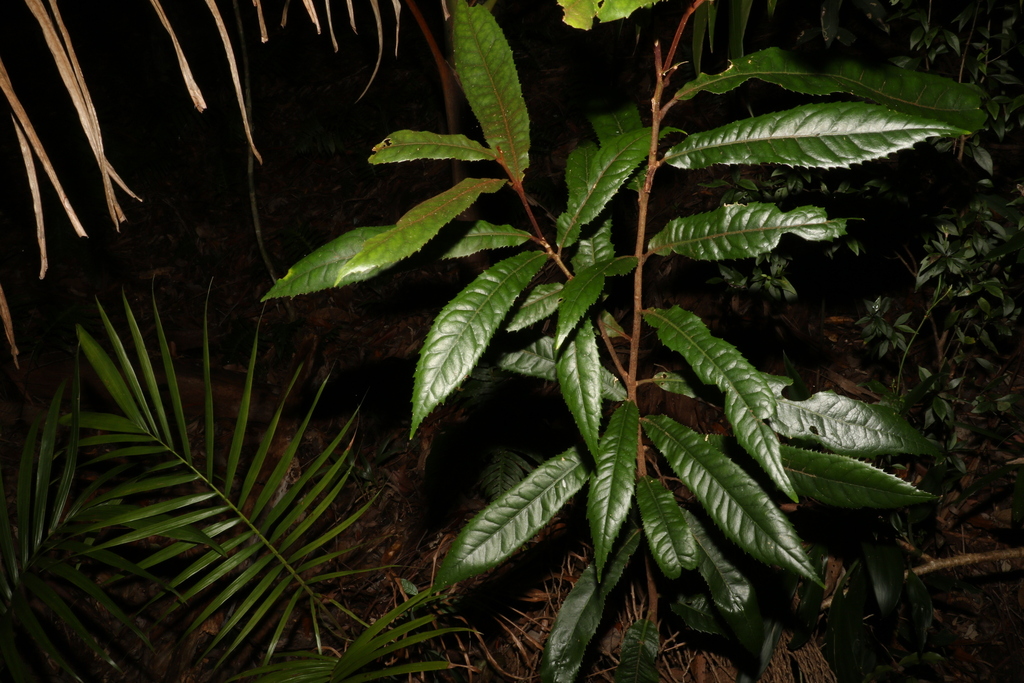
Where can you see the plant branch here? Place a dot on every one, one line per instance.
(518, 187)
(611, 348)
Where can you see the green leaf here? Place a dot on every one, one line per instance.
(846, 644)
(699, 613)
(593, 178)
(513, 519)
(483, 235)
(732, 592)
(844, 482)
(673, 382)
(737, 504)
(884, 562)
(919, 94)
(464, 327)
(665, 526)
(617, 565)
(850, 427)
(321, 269)
(637, 658)
(581, 292)
(612, 10)
(484, 63)
(748, 396)
(595, 248)
(610, 124)
(611, 485)
(579, 376)
(416, 227)
(573, 630)
(741, 231)
(739, 13)
(833, 135)
(921, 610)
(541, 302)
(579, 13)
(406, 145)
(538, 360)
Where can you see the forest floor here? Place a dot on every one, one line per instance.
(190, 245)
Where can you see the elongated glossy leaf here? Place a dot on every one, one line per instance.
(406, 145)
(463, 329)
(850, 427)
(732, 592)
(541, 302)
(699, 613)
(580, 293)
(714, 360)
(483, 235)
(618, 562)
(595, 177)
(578, 367)
(573, 630)
(920, 94)
(594, 248)
(325, 267)
(637, 661)
(611, 485)
(737, 504)
(417, 226)
(665, 526)
(844, 482)
(833, 135)
(748, 396)
(111, 378)
(741, 231)
(513, 519)
(538, 360)
(483, 60)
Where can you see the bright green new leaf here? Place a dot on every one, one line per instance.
(609, 124)
(611, 484)
(538, 360)
(845, 482)
(320, 269)
(850, 427)
(541, 302)
(911, 92)
(748, 396)
(483, 235)
(637, 658)
(417, 226)
(593, 178)
(513, 519)
(833, 135)
(407, 145)
(573, 629)
(483, 61)
(737, 504)
(741, 231)
(578, 367)
(464, 327)
(667, 532)
(732, 592)
(583, 291)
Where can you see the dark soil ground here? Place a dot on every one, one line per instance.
(190, 244)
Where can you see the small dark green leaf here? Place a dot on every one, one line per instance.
(673, 382)
(579, 377)
(483, 235)
(513, 519)
(541, 302)
(464, 327)
(920, 94)
(580, 293)
(699, 613)
(609, 124)
(665, 526)
(732, 592)
(488, 75)
(637, 660)
(611, 485)
(574, 627)
(595, 178)
(741, 231)
(406, 145)
(884, 562)
(737, 504)
(845, 482)
(846, 646)
(921, 611)
(832, 135)
(538, 360)
(850, 427)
